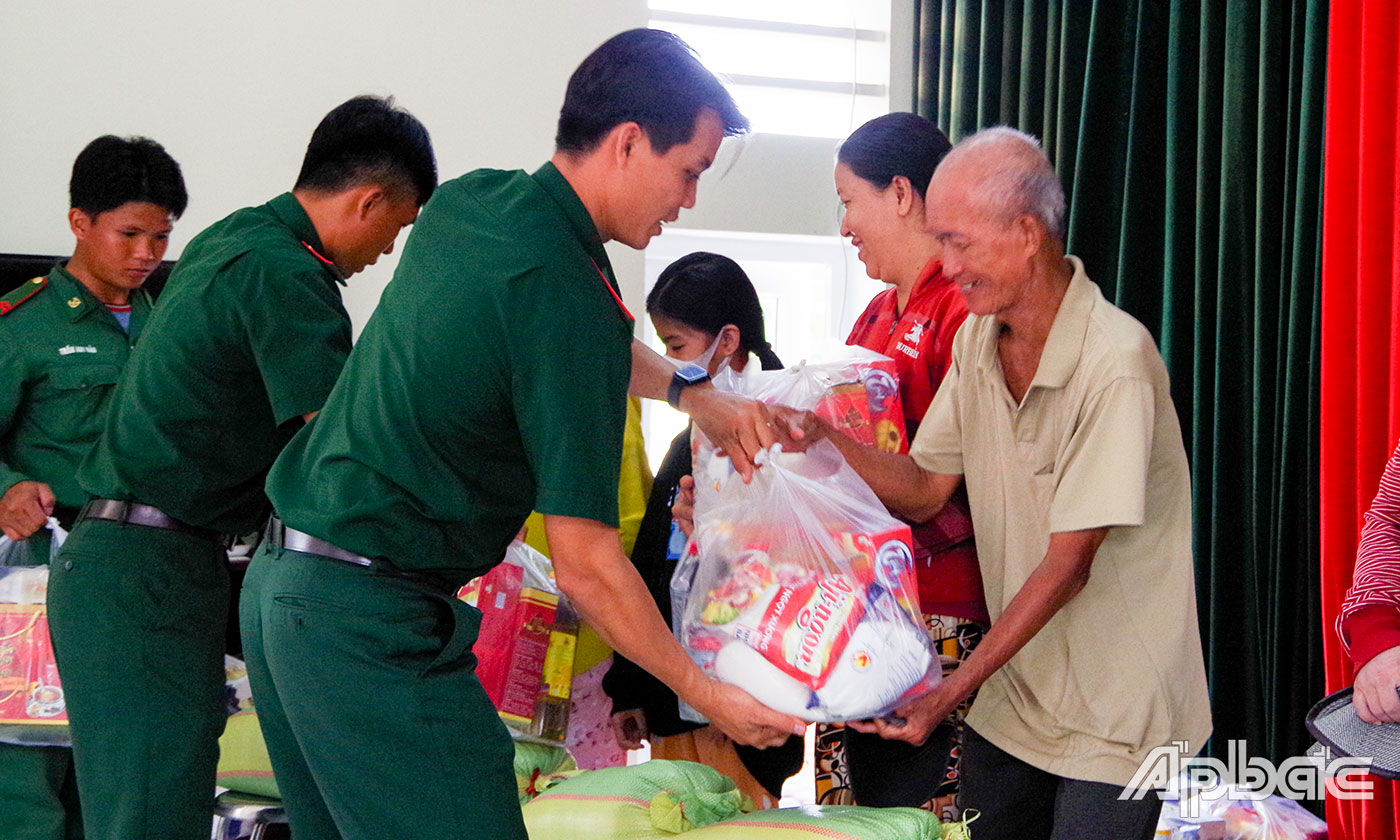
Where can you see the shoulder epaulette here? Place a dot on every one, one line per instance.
(23, 293)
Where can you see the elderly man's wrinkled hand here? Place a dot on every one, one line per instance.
(796, 429)
(915, 722)
(1376, 694)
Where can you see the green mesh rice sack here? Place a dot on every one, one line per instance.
(243, 762)
(649, 801)
(537, 767)
(830, 822)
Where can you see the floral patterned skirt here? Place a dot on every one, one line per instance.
(953, 639)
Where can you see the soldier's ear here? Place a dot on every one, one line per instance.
(368, 199)
(79, 222)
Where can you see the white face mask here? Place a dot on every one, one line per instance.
(703, 360)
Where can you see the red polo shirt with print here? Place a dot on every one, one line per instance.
(920, 340)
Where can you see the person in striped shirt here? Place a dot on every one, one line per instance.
(1369, 623)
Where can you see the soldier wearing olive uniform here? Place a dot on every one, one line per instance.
(64, 339)
(247, 341)
(456, 415)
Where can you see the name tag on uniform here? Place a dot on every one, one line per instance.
(72, 348)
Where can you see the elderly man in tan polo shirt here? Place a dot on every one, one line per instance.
(1058, 415)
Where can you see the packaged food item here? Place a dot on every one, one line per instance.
(801, 590)
(526, 643)
(31, 694)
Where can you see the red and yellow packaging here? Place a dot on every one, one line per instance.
(30, 692)
(885, 405)
(514, 640)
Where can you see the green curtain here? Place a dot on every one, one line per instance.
(1188, 135)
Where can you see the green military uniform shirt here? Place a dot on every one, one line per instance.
(61, 352)
(249, 335)
(491, 379)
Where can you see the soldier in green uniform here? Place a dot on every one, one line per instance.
(245, 344)
(64, 339)
(491, 380)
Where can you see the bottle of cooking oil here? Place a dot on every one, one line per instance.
(552, 707)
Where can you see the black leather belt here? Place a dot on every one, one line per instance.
(135, 513)
(281, 535)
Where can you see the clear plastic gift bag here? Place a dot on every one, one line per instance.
(803, 592)
(32, 706)
(22, 552)
(1197, 808)
(858, 394)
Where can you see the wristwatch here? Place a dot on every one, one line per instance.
(683, 378)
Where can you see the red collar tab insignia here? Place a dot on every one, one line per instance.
(613, 292)
(315, 253)
(339, 278)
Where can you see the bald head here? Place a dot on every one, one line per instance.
(996, 207)
(1003, 173)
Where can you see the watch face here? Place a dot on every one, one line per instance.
(692, 373)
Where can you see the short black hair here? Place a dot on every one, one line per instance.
(111, 170)
(705, 292)
(369, 140)
(893, 145)
(645, 76)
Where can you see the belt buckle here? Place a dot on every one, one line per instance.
(276, 531)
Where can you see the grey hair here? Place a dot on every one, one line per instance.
(1022, 182)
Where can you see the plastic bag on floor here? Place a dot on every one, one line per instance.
(1273, 818)
(1215, 811)
(648, 801)
(804, 594)
(848, 822)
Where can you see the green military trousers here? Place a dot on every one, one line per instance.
(366, 689)
(138, 620)
(38, 791)
(38, 794)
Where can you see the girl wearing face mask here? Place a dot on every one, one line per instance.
(882, 171)
(705, 311)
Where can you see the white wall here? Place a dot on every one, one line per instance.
(234, 90)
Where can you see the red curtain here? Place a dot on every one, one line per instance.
(1360, 326)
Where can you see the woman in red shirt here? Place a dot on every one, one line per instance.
(882, 171)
